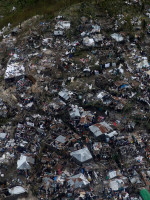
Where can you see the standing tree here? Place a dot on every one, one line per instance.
(21, 3)
(143, 24)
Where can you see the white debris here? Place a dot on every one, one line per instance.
(78, 181)
(14, 69)
(63, 25)
(89, 42)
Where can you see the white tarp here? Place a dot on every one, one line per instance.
(82, 155)
(17, 190)
(2, 136)
(61, 139)
(78, 181)
(117, 37)
(23, 162)
(95, 130)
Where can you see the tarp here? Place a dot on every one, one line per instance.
(145, 194)
(16, 190)
(117, 37)
(61, 139)
(82, 155)
(23, 162)
(124, 86)
(3, 135)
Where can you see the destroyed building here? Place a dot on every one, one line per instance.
(74, 106)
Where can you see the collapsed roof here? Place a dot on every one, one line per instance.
(100, 128)
(78, 181)
(14, 69)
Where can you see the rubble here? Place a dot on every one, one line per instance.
(78, 181)
(77, 126)
(14, 69)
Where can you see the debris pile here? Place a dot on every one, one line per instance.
(81, 125)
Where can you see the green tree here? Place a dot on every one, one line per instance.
(21, 3)
(142, 5)
(143, 24)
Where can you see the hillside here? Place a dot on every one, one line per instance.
(74, 99)
(24, 9)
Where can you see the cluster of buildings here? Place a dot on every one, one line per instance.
(80, 127)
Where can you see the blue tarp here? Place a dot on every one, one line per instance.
(123, 86)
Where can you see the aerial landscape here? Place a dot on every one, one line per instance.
(75, 100)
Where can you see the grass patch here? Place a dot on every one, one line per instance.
(47, 8)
